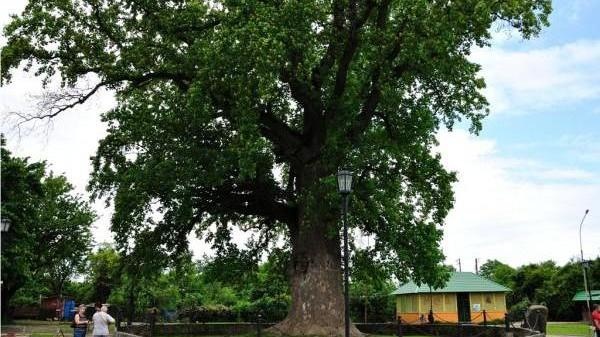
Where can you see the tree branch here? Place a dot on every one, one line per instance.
(52, 104)
(287, 141)
(374, 90)
(321, 71)
(251, 198)
(351, 45)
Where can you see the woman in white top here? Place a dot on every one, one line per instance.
(101, 321)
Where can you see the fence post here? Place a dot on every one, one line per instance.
(258, 327)
(152, 320)
(484, 318)
(399, 326)
(459, 328)
(118, 319)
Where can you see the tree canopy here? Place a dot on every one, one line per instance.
(239, 113)
(49, 236)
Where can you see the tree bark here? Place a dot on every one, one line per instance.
(316, 280)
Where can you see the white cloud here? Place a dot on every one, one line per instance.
(566, 174)
(500, 215)
(584, 147)
(520, 81)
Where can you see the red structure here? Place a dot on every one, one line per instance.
(52, 307)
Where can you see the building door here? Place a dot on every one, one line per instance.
(464, 307)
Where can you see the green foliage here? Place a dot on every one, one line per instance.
(542, 283)
(231, 266)
(517, 310)
(49, 234)
(103, 271)
(369, 289)
(498, 272)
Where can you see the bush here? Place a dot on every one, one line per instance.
(208, 313)
(517, 311)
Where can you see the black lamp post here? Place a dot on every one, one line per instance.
(344, 178)
(4, 226)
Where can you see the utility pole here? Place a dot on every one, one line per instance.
(459, 266)
(476, 267)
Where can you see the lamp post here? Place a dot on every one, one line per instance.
(583, 267)
(5, 224)
(344, 178)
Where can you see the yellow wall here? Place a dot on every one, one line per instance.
(414, 308)
(494, 305)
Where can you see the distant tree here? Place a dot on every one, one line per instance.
(565, 283)
(498, 272)
(532, 281)
(270, 293)
(49, 236)
(103, 272)
(230, 266)
(370, 289)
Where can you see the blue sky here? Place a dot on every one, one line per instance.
(566, 133)
(524, 182)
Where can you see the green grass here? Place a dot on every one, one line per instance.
(568, 329)
(39, 328)
(271, 335)
(41, 334)
(395, 336)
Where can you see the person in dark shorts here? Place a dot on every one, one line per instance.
(81, 322)
(596, 319)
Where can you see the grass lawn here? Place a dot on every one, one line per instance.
(396, 336)
(42, 334)
(39, 328)
(568, 329)
(266, 334)
(48, 329)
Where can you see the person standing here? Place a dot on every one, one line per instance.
(101, 321)
(596, 319)
(81, 322)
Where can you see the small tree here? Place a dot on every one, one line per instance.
(49, 236)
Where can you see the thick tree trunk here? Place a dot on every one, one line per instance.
(316, 281)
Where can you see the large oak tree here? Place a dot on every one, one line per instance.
(239, 113)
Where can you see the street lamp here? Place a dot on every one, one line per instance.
(5, 224)
(344, 178)
(584, 266)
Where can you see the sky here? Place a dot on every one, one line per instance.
(524, 182)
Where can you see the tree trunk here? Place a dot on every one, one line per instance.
(316, 281)
(130, 305)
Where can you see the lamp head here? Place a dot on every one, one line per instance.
(5, 225)
(344, 178)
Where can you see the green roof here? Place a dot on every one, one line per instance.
(583, 296)
(459, 282)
